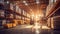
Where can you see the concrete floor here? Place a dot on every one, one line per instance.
(22, 29)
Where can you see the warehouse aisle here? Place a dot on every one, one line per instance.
(24, 29)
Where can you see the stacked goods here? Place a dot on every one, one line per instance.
(9, 25)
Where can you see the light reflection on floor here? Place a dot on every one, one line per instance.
(36, 28)
(32, 26)
(28, 30)
(37, 31)
(45, 27)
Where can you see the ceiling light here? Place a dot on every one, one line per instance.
(26, 4)
(7, 2)
(24, 1)
(37, 1)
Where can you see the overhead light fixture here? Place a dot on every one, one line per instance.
(7, 2)
(25, 2)
(37, 1)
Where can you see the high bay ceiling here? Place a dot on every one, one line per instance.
(32, 6)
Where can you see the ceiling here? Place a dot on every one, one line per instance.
(32, 6)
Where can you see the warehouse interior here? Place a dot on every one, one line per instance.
(44, 14)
